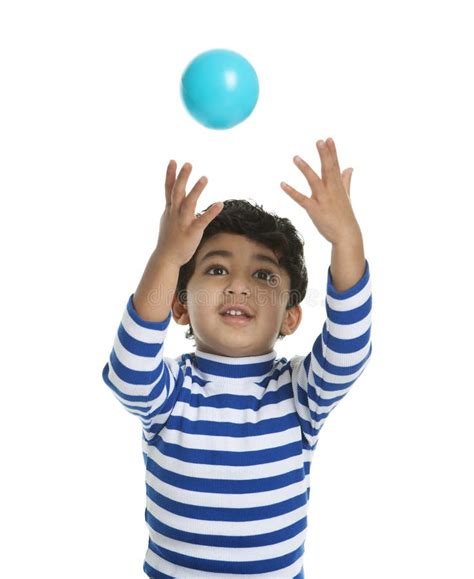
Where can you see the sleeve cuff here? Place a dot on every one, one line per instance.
(161, 325)
(356, 288)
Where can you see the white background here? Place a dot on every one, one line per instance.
(90, 115)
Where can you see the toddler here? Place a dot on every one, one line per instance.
(229, 430)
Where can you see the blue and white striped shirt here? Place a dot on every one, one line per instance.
(228, 442)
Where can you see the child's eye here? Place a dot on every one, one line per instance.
(214, 267)
(268, 274)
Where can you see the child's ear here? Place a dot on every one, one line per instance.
(292, 320)
(180, 311)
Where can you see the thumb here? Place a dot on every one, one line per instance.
(346, 180)
(208, 215)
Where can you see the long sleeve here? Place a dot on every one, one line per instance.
(137, 373)
(338, 357)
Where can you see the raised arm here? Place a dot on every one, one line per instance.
(141, 378)
(342, 350)
(339, 355)
(137, 373)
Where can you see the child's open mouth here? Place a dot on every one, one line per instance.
(240, 320)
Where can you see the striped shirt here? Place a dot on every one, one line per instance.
(228, 442)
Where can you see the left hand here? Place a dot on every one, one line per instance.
(329, 206)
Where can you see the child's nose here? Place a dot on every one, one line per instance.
(237, 285)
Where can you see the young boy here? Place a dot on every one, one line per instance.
(229, 431)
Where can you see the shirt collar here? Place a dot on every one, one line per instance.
(250, 367)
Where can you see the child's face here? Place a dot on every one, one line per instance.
(239, 278)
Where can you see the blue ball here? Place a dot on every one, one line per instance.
(219, 88)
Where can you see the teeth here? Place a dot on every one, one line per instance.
(235, 313)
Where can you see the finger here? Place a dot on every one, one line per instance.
(169, 180)
(179, 189)
(329, 164)
(193, 195)
(294, 194)
(331, 145)
(313, 179)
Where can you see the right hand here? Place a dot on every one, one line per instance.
(180, 230)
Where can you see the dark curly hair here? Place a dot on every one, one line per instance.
(240, 217)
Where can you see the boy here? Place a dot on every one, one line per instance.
(229, 431)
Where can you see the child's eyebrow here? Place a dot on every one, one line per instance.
(226, 253)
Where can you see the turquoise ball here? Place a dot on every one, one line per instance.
(219, 88)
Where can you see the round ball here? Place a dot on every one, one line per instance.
(219, 88)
